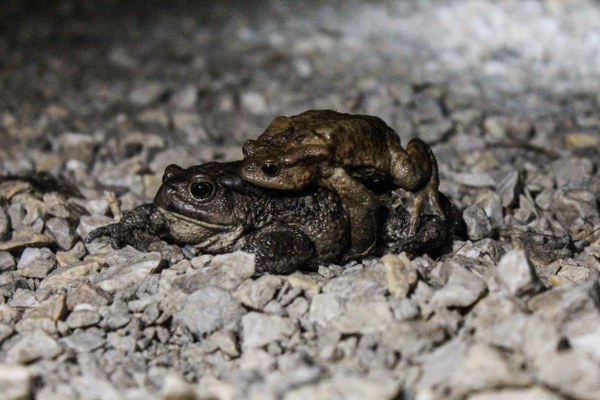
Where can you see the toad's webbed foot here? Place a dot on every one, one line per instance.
(138, 228)
(433, 232)
(280, 249)
(428, 196)
(432, 236)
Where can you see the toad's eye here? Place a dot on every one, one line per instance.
(270, 169)
(201, 189)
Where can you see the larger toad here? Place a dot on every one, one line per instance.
(212, 207)
(336, 151)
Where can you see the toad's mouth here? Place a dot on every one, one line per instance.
(206, 236)
(174, 217)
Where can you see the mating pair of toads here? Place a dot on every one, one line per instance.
(313, 188)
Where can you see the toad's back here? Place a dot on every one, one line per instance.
(352, 140)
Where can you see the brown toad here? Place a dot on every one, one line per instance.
(338, 151)
(211, 207)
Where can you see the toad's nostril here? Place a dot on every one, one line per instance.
(249, 147)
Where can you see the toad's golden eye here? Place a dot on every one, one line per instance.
(201, 190)
(270, 169)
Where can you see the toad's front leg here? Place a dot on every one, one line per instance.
(138, 228)
(279, 249)
(362, 206)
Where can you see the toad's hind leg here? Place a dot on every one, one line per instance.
(416, 170)
(362, 206)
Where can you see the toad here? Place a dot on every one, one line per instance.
(211, 207)
(340, 152)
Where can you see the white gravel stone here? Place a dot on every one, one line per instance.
(146, 93)
(462, 290)
(7, 261)
(83, 341)
(185, 97)
(324, 307)
(24, 239)
(366, 282)
(498, 320)
(401, 274)
(533, 393)
(261, 329)
(16, 382)
(127, 269)
(572, 172)
(572, 373)
(62, 233)
(34, 346)
(256, 360)
(5, 331)
(363, 316)
(65, 277)
(478, 223)
(257, 293)
(82, 318)
(491, 203)
(212, 387)
(254, 102)
(485, 367)
(176, 388)
(226, 342)
(380, 385)
(209, 309)
(52, 307)
(97, 207)
(516, 274)
(412, 337)
(36, 263)
(297, 308)
(587, 338)
(508, 186)
(226, 271)
(438, 368)
(89, 386)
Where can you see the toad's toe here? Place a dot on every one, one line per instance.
(429, 196)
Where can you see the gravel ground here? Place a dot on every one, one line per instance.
(108, 95)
